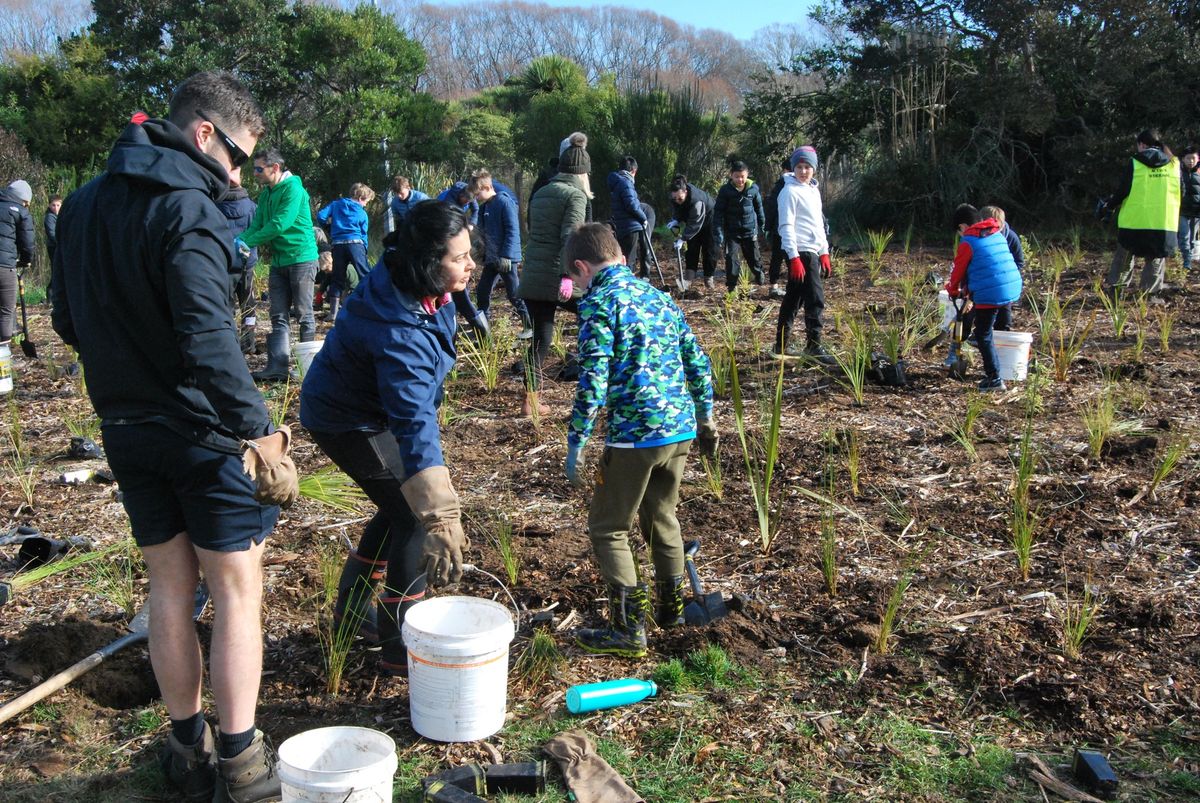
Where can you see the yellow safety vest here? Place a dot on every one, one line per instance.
(1153, 200)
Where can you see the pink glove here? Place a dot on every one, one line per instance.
(796, 269)
(565, 288)
(826, 266)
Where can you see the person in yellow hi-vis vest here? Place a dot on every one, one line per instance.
(1148, 220)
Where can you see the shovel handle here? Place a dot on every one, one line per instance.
(63, 678)
(693, 575)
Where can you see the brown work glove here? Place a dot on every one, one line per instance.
(590, 778)
(435, 504)
(265, 460)
(706, 433)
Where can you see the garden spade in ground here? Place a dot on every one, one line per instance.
(139, 630)
(957, 363)
(703, 608)
(27, 346)
(652, 257)
(683, 282)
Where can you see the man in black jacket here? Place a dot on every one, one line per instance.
(692, 222)
(740, 218)
(141, 289)
(16, 248)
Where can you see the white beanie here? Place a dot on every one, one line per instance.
(21, 189)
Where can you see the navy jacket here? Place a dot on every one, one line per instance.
(1014, 246)
(739, 214)
(450, 196)
(501, 229)
(771, 209)
(695, 213)
(16, 231)
(1189, 197)
(238, 209)
(50, 227)
(382, 367)
(141, 289)
(627, 215)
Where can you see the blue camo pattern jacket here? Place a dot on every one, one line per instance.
(639, 358)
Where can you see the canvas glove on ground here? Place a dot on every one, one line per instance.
(433, 501)
(274, 474)
(590, 778)
(710, 440)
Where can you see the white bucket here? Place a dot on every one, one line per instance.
(457, 667)
(1012, 352)
(6, 382)
(304, 354)
(337, 765)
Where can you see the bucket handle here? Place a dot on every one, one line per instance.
(471, 567)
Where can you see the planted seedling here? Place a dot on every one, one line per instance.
(487, 355)
(1077, 617)
(827, 556)
(1067, 343)
(115, 578)
(335, 636)
(1114, 304)
(541, 660)
(331, 487)
(1166, 322)
(1099, 418)
(887, 622)
(964, 433)
(505, 545)
(877, 243)
(279, 399)
(712, 477)
(761, 453)
(852, 453)
(1171, 457)
(854, 360)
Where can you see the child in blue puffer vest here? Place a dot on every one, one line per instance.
(984, 270)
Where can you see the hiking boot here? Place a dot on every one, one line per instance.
(191, 769)
(951, 357)
(668, 597)
(815, 351)
(625, 635)
(248, 777)
(988, 385)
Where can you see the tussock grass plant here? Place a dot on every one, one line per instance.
(502, 533)
(1048, 313)
(1172, 454)
(1115, 305)
(559, 341)
(908, 236)
(1077, 617)
(964, 432)
(827, 551)
(1036, 381)
(72, 561)
(115, 578)
(851, 453)
(487, 356)
(1066, 344)
(335, 637)
(761, 451)
(719, 359)
(81, 422)
(707, 667)
(25, 479)
(541, 660)
(713, 478)
(331, 487)
(908, 281)
(1056, 262)
(1166, 323)
(1099, 418)
(1022, 527)
(16, 435)
(854, 360)
(279, 400)
(877, 243)
(891, 609)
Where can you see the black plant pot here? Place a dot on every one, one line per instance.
(893, 374)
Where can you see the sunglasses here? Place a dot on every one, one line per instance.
(237, 156)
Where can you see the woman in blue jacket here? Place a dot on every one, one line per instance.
(370, 402)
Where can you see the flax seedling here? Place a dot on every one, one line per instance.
(854, 360)
(331, 487)
(1067, 343)
(852, 454)
(760, 453)
(1078, 617)
(115, 578)
(1116, 307)
(1166, 323)
(541, 660)
(509, 559)
(877, 243)
(713, 478)
(335, 637)
(964, 433)
(487, 355)
(887, 622)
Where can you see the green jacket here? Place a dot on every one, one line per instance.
(283, 222)
(555, 211)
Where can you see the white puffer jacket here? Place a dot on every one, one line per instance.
(801, 220)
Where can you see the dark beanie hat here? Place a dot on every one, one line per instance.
(805, 153)
(575, 160)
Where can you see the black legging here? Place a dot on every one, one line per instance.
(541, 313)
(372, 460)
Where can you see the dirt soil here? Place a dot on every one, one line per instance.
(977, 651)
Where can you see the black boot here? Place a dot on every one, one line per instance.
(814, 350)
(668, 597)
(483, 332)
(783, 334)
(335, 305)
(355, 608)
(625, 635)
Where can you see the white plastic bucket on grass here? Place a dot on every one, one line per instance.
(305, 353)
(1012, 351)
(337, 765)
(457, 667)
(6, 379)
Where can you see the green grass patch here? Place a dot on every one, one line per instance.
(709, 667)
(924, 763)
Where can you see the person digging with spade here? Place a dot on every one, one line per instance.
(370, 401)
(638, 358)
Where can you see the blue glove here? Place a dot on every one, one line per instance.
(241, 247)
(573, 465)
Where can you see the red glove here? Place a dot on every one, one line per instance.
(826, 266)
(796, 269)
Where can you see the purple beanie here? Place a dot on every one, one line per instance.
(805, 153)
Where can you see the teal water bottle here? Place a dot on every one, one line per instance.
(609, 694)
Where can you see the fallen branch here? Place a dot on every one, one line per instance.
(1044, 777)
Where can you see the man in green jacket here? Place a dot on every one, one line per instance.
(283, 223)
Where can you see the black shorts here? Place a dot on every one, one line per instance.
(171, 485)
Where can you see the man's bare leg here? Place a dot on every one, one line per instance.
(174, 648)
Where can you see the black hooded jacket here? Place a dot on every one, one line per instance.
(16, 231)
(141, 284)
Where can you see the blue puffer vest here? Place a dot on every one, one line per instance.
(992, 276)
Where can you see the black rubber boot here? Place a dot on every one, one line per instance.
(668, 598)
(625, 635)
(335, 305)
(814, 350)
(783, 334)
(356, 597)
(248, 777)
(191, 769)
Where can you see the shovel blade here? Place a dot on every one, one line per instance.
(694, 614)
(28, 349)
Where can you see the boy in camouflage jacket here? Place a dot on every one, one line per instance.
(638, 358)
